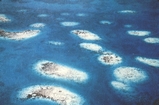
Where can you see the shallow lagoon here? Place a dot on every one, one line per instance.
(17, 58)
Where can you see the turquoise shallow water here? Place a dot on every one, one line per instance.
(17, 58)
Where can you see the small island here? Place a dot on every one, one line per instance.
(18, 35)
(148, 61)
(127, 11)
(121, 87)
(86, 35)
(69, 24)
(105, 22)
(37, 25)
(108, 58)
(130, 74)
(3, 18)
(91, 47)
(152, 40)
(58, 71)
(138, 33)
(51, 93)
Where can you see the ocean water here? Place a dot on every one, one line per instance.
(17, 58)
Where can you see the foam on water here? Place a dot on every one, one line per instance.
(54, 70)
(91, 46)
(69, 23)
(139, 33)
(86, 35)
(121, 86)
(37, 25)
(127, 11)
(151, 40)
(130, 74)
(52, 93)
(105, 22)
(148, 61)
(109, 58)
(4, 18)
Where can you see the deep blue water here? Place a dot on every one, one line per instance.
(18, 57)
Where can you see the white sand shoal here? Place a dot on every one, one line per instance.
(54, 70)
(56, 43)
(81, 14)
(121, 86)
(91, 46)
(139, 33)
(86, 35)
(69, 23)
(148, 61)
(130, 74)
(151, 40)
(51, 93)
(43, 15)
(19, 35)
(105, 22)
(127, 11)
(3, 18)
(37, 25)
(109, 58)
